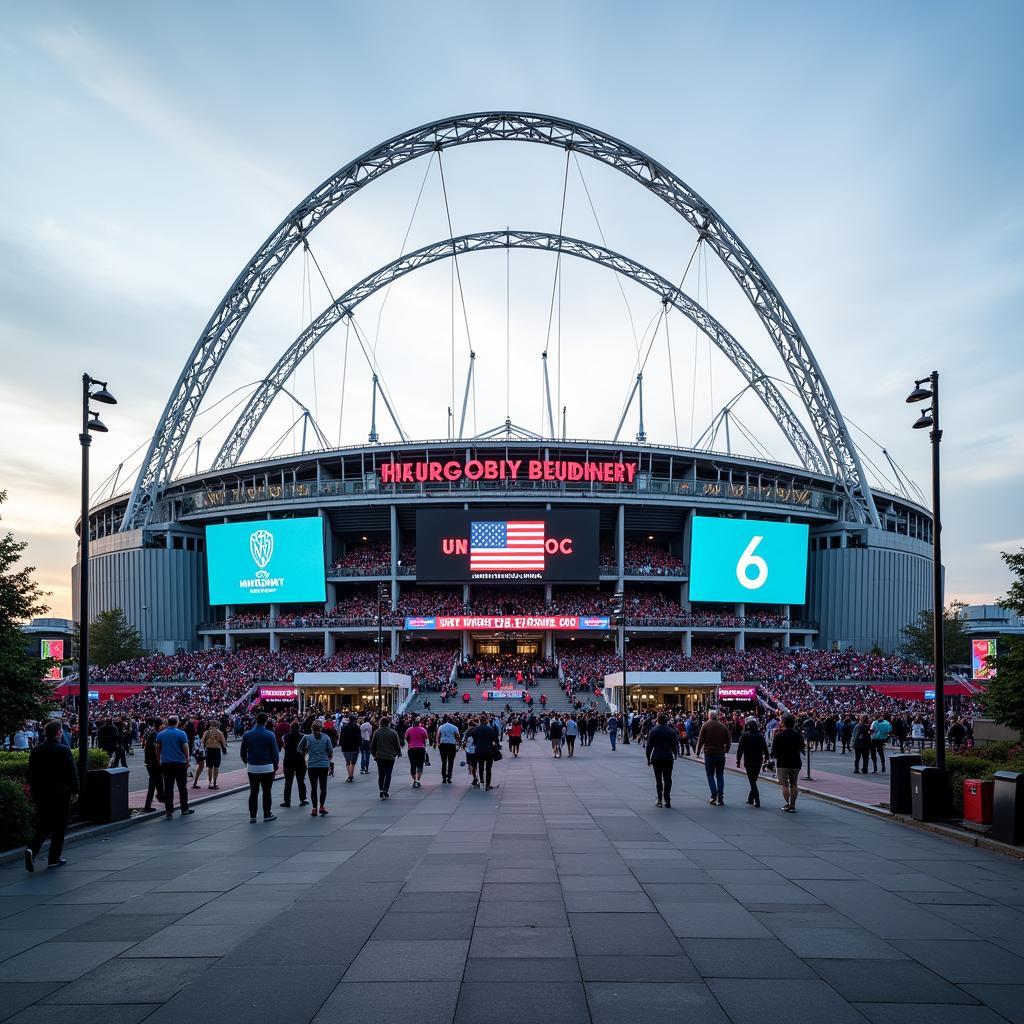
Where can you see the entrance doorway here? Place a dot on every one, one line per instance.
(517, 646)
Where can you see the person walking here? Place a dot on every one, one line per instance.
(861, 744)
(555, 730)
(752, 751)
(172, 749)
(216, 745)
(662, 749)
(613, 729)
(294, 765)
(485, 742)
(52, 779)
(715, 740)
(151, 759)
(515, 736)
(350, 740)
(572, 730)
(319, 753)
(880, 729)
(787, 746)
(262, 757)
(365, 733)
(385, 746)
(845, 734)
(199, 752)
(448, 739)
(416, 745)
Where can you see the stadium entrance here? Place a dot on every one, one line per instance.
(520, 646)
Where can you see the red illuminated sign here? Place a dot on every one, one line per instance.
(452, 470)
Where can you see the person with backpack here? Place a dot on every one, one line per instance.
(861, 745)
(752, 751)
(555, 730)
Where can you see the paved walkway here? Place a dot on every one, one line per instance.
(564, 895)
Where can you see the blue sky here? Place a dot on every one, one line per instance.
(869, 155)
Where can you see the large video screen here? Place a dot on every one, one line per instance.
(279, 560)
(507, 546)
(749, 561)
(983, 659)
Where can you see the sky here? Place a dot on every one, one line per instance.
(869, 155)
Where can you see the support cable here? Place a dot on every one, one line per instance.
(344, 378)
(508, 329)
(455, 258)
(556, 291)
(401, 251)
(671, 379)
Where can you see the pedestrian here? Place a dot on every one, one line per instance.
(385, 746)
(662, 749)
(572, 730)
(199, 752)
(515, 736)
(262, 757)
(861, 745)
(714, 739)
(319, 753)
(416, 744)
(52, 779)
(613, 729)
(845, 734)
(365, 732)
(555, 729)
(880, 729)
(485, 743)
(752, 750)
(151, 759)
(172, 749)
(294, 765)
(448, 739)
(350, 739)
(216, 745)
(787, 746)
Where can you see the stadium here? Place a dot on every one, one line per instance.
(411, 564)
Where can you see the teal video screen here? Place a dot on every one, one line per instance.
(748, 560)
(279, 560)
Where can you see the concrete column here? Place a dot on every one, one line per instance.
(330, 643)
(465, 642)
(548, 646)
(547, 593)
(207, 641)
(620, 544)
(740, 642)
(275, 610)
(395, 550)
(394, 643)
(229, 641)
(688, 642)
(275, 641)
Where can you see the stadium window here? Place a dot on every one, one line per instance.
(833, 542)
(178, 543)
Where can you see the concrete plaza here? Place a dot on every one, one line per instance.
(563, 895)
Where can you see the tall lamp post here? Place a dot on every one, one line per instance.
(619, 611)
(90, 422)
(382, 591)
(930, 418)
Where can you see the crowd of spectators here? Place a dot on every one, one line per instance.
(641, 559)
(495, 669)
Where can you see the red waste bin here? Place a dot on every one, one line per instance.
(978, 801)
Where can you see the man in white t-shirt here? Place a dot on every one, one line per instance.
(448, 739)
(365, 732)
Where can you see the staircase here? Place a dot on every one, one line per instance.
(551, 688)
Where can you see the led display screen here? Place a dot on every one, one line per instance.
(983, 659)
(507, 546)
(749, 561)
(270, 560)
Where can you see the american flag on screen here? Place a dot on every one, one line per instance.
(513, 546)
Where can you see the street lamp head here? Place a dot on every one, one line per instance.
(919, 394)
(924, 420)
(97, 424)
(104, 396)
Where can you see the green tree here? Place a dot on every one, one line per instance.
(24, 693)
(112, 639)
(956, 644)
(1003, 699)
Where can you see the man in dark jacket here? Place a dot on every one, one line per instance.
(485, 739)
(294, 765)
(260, 755)
(715, 740)
(662, 749)
(350, 739)
(787, 746)
(52, 778)
(152, 761)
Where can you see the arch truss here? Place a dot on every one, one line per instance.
(245, 426)
(229, 316)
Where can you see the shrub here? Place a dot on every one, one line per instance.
(979, 763)
(17, 816)
(14, 763)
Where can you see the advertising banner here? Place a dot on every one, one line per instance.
(737, 693)
(53, 649)
(279, 693)
(567, 623)
(278, 560)
(503, 694)
(749, 561)
(981, 653)
(507, 546)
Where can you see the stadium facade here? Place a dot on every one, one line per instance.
(861, 573)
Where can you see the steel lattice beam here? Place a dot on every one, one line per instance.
(227, 319)
(766, 389)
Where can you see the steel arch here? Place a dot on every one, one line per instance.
(260, 401)
(227, 319)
